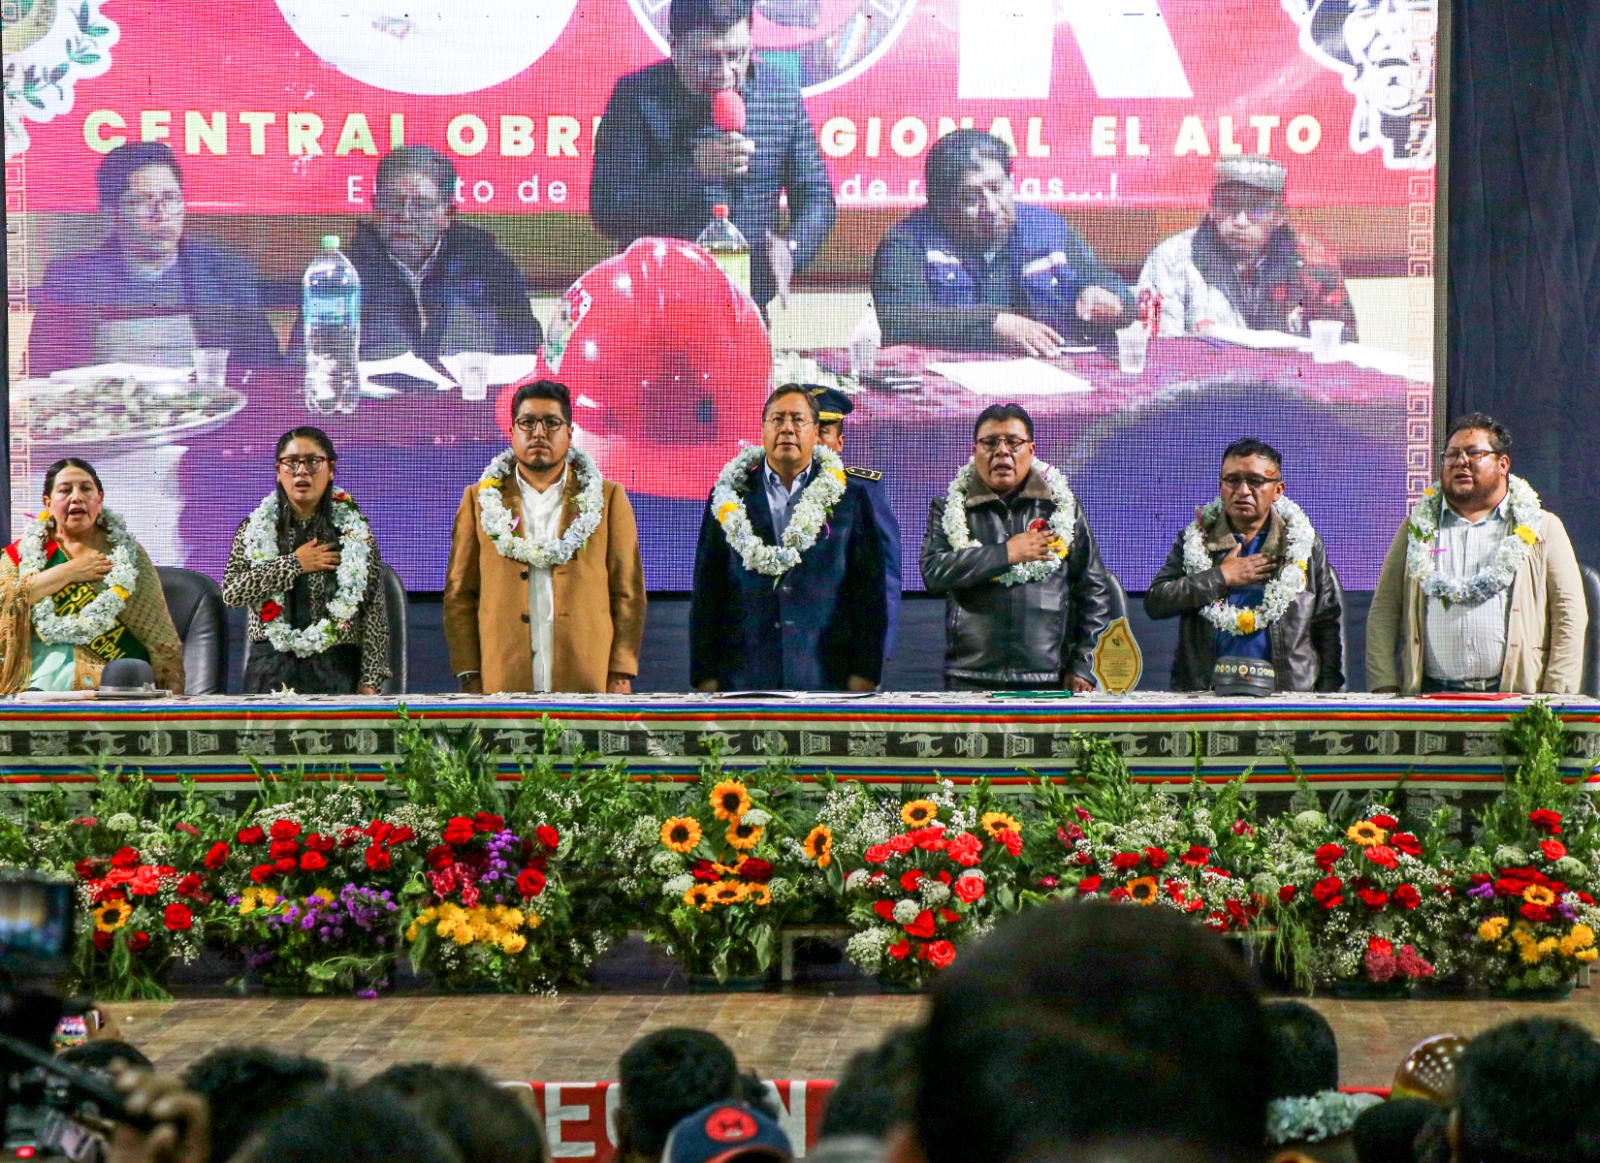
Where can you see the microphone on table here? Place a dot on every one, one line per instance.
(727, 110)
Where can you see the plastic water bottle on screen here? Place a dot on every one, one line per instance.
(728, 246)
(331, 309)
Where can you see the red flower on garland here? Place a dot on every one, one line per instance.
(1536, 913)
(401, 834)
(187, 828)
(1546, 820)
(1406, 843)
(459, 830)
(102, 941)
(379, 830)
(218, 855)
(260, 873)
(923, 926)
(270, 610)
(1381, 855)
(278, 849)
(900, 845)
(1011, 840)
(703, 870)
(177, 917)
(189, 885)
(251, 835)
(377, 858)
(548, 836)
(940, 954)
(285, 866)
(1407, 896)
(285, 830)
(1328, 855)
(530, 882)
(85, 869)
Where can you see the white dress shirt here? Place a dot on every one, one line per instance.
(1465, 642)
(782, 500)
(541, 520)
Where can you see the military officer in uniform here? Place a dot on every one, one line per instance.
(833, 406)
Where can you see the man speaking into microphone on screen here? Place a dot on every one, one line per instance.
(715, 125)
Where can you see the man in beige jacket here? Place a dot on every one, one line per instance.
(545, 587)
(1488, 598)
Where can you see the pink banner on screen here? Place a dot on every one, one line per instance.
(286, 106)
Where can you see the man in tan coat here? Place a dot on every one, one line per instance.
(1480, 590)
(545, 587)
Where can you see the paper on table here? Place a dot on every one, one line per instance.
(1260, 340)
(503, 369)
(1378, 359)
(407, 364)
(149, 373)
(1011, 377)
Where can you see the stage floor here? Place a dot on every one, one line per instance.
(578, 1037)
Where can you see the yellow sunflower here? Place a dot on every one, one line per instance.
(696, 898)
(743, 836)
(1365, 833)
(1538, 894)
(727, 892)
(112, 915)
(919, 812)
(758, 894)
(819, 845)
(1144, 891)
(730, 800)
(681, 833)
(996, 822)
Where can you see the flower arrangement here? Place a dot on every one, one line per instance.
(143, 916)
(322, 941)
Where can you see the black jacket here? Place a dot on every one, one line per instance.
(1029, 635)
(1307, 642)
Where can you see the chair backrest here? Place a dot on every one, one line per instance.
(195, 603)
(1591, 637)
(1344, 640)
(1119, 597)
(394, 591)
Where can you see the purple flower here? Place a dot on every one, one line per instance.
(310, 922)
(367, 994)
(1482, 891)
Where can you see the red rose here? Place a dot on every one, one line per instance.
(86, 821)
(899, 950)
(1244, 828)
(948, 916)
(1082, 858)
(218, 855)
(1123, 861)
(379, 830)
(251, 835)
(125, 858)
(489, 822)
(1380, 947)
(756, 871)
(703, 870)
(187, 828)
(968, 889)
(1196, 856)
(884, 909)
(285, 866)
(1386, 822)
(1089, 884)
(260, 873)
(401, 834)
(270, 610)
(1048, 882)
(1553, 849)
(530, 882)
(1546, 821)
(877, 854)
(1585, 898)
(965, 849)
(84, 869)
(137, 942)
(900, 845)
(459, 830)
(1328, 855)
(1120, 894)
(442, 856)
(909, 879)
(102, 941)
(940, 954)
(350, 837)
(177, 917)
(1011, 840)
(1286, 894)
(1373, 898)
(1536, 913)
(1156, 857)
(1407, 843)
(189, 885)
(923, 926)
(1083, 815)
(1408, 896)
(548, 836)
(317, 842)
(278, 849)
(312, 862)
(377, 858)
(1326, 892)
(285, 830)
(1381, 855)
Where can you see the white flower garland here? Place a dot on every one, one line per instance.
(1314, 1117)
(805, 523)
(1289, 581)
(101, 614)
(261, 546)
(501, 526)
(1063, 522)
(1422, 559)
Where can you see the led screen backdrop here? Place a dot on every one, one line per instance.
(1118, 111)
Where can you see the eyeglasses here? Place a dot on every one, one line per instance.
(1235, 481)
(151, 205)
(295, 465)
(528, 425)
(993, 444)
(1467, 455)
(411, 207)
(796, 420)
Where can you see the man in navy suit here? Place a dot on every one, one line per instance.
(661, 164)
(822, 624)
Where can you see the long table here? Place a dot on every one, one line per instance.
(1349, 743)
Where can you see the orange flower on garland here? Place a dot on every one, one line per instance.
(730, 800)
(819, 845)
(1538, 894)
(699, 897)
(681, 833)
(727, 892)
(1144, 891)
(744, 836)
(1365, 833)
(758, 894)
(996, 822)
(919, 812)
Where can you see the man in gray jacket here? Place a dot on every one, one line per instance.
(1250, 578)
(1025, 603)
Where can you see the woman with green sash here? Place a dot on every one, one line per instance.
(77, 591)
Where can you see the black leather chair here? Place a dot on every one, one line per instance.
(399, 642)
(1590, 686)
(195, 602)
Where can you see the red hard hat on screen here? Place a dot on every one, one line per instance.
(667, 362)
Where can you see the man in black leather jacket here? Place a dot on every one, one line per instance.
(1247, 542)
(1032, 634)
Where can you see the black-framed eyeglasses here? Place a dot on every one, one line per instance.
(151, 205)
(295, 465)
(1012, 444)
(412, 206)
(528, 425)
(1235, 481)
(1467, 455)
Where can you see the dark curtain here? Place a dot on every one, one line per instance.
(1524, 242)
